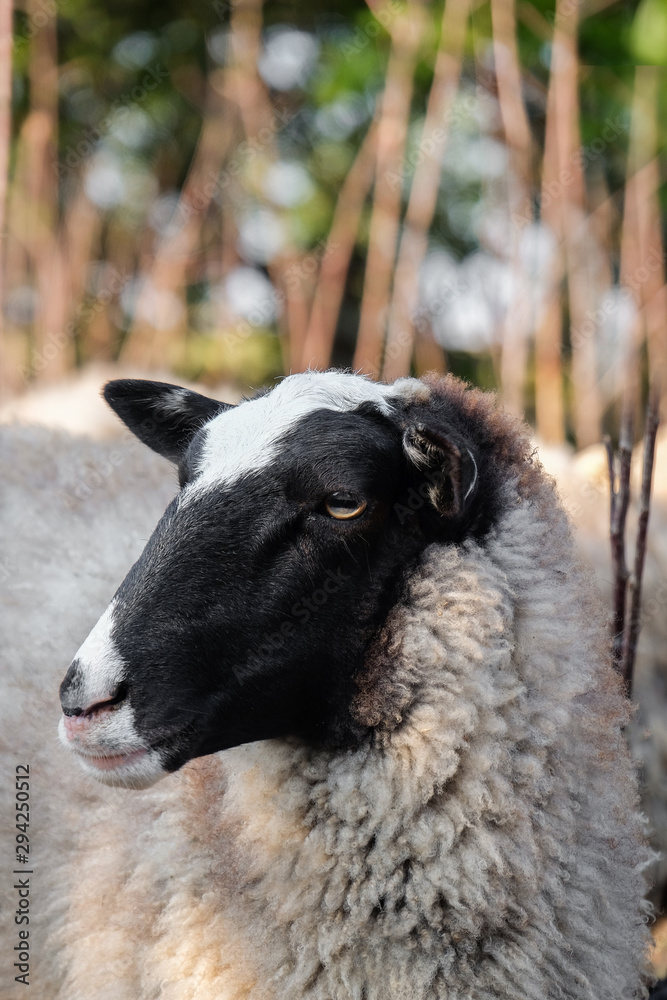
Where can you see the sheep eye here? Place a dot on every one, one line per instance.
(344, 506)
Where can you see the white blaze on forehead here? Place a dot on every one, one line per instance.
(248, 437)
(101, 667)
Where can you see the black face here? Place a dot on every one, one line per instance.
(252, 606)
(251, 610)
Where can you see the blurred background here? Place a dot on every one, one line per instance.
(226, 191)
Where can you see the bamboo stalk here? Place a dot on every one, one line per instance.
(649, 279)
(65, 271)
(407, 30)
(38, 199)
(581, 253)
(338, 250)
(549, 402)
(177, 250)
(246, 87)
(429, 355)
(80, 233)
(654, 288)
(634, 239)
(520, 318)
(16, 263)
(424, 189)
(257, 115)
(530, 16)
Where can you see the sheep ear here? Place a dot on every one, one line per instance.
(163, 416)
(447, 465)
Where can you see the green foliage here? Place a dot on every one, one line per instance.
(647, 35)
(250, 361)
(132, 77)
(604, 37)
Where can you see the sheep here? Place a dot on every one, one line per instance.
(583, 483)
(359, 686)
(75, 516)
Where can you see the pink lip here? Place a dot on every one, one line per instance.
(111, 763)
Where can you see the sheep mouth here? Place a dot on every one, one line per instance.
(112, 762)
(129, 766)
(133, 767)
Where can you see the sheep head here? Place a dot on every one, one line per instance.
(252, 609)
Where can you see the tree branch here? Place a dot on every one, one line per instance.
(631, 631)
(407, 30)
(620, 499)
(424, 189)
(338, 251)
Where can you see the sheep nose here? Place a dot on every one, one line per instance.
(75, 701)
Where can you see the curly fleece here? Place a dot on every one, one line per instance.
(583, 482)
(484, 843)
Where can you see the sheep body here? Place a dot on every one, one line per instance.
(583, 484)
(75, 515)
(484, 842)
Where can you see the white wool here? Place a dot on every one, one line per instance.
(75, 515)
